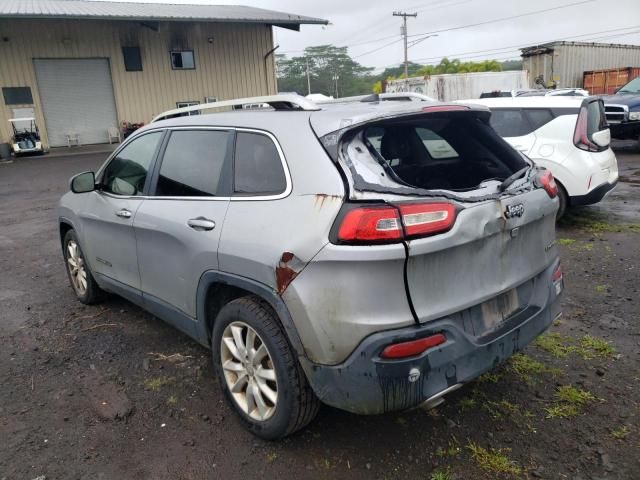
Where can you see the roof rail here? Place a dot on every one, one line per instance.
(378, 97)
(277, 102)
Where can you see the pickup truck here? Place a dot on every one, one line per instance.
(623, 111)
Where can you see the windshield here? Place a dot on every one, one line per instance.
(632, 87)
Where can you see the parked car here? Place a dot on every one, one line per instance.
(324, 254)
(623, 111)
(567, 135)
(555, 92)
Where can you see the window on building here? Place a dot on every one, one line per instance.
(132, 59)
(257, 167)
(183, 60)
(192, 164)
(17, 95)
(210, 99)
(127, 172)
(188, 104)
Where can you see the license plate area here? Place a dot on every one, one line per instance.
(498, 309)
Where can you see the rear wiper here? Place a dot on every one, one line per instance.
(512, 178)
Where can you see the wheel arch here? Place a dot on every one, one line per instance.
(64, 225)
(215, 289)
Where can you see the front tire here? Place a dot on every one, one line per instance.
(80, 277)
(258, 372)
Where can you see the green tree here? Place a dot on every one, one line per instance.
(324, 62)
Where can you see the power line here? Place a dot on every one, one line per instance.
(377, 49)
(512, 17)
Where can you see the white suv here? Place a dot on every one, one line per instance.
(567, 135)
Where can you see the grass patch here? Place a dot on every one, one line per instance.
(493, 460)
(155, 384)
(565, 241)
(570, 401)
(489, 377)
(591, 347)
(440, 475)
(621, 433)
(452, 450)
(584, 221)
(172, 400)
(602, 288)
(271, 457)
(527, 368)
(555, 344)
(467, 403)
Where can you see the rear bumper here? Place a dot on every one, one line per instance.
(594, 196)
(368, 384)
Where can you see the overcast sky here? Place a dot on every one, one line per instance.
(373, 34)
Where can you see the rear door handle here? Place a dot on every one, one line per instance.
(124, 213)
(201, 224)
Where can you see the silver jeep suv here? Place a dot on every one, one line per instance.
(367, 255)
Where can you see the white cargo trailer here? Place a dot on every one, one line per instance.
(458, 86)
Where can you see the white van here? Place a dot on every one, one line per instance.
(567, 135)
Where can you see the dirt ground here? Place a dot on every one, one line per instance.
(110, 392)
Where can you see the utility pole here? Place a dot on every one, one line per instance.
(308, 77)
(403, 31)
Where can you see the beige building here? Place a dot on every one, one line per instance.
(83, 67)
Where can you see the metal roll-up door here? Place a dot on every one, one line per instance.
(76, 97)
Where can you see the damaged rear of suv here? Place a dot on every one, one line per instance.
(441, 263)
(369, 255)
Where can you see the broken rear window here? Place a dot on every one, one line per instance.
(433, 152)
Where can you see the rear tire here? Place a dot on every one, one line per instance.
(80, 277)
(270, 394)
(564, 201)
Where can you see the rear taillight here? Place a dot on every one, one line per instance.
(371, 224)
(557, 274)
(545, 180)
(421, 219)
(581, 135)
(388, 224)
(413, 347)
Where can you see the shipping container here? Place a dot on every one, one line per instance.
(562, 64)
(459, 86)
(607, 82)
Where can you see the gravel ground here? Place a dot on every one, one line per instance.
(110, 392)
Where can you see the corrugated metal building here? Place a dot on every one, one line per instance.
(563, 63)
(83, 67)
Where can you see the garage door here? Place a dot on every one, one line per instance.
(76, 97)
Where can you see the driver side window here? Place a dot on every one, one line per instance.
(126, 173)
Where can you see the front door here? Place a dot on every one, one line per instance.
(178, 228)
(107, 217)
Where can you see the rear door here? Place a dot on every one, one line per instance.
(178, 227)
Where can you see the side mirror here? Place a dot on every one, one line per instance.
(602, 138)
(83, 182)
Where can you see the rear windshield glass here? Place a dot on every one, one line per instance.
(435, 152)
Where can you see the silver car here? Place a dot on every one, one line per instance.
(368, 255)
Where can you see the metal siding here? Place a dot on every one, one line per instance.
(571, 60)
(230, 67)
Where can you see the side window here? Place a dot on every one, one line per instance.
(192, 164)
(510, 123)
(257, 167)
(126, 173)
(538, 118)
(437, 146)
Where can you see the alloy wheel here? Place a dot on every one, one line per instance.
(249, 371)
(77, 269)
